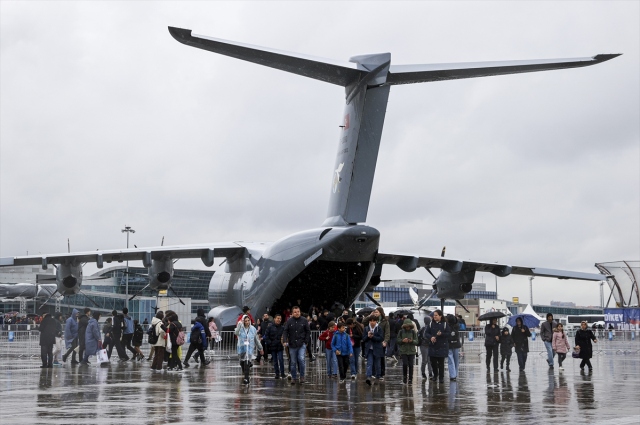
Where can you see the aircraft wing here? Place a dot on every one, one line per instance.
(204, 252)
(409, 263)
(409, 74)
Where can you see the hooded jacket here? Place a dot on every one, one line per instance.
(408, 330)
(92, 336)
(506, 342)
(521, 339)
(198, 334)
(560, 342)
(160, 330)
(71, 328)
(203, 321)
(341, 341)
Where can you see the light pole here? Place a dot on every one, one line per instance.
(127, 230)
(531, 290)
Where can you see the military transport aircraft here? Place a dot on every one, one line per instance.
(341, 258)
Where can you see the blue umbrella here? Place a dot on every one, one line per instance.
(527, 319)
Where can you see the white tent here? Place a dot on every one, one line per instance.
(529, 310)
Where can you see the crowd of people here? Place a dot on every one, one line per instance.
(348, 339)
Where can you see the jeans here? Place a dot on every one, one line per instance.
(492, 351)
(522, 359)
(373, 365)
(332, 362)
(561, 357)
(407, 366)
(278, 362)
(424, 353)
(391, 348)
(454, 362)
(354, 361)
(550, 353)
(343, 366)
(297, 354)
(193, 347)
(437, 363)
(126, 343)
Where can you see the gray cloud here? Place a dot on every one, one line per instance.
(106, 120)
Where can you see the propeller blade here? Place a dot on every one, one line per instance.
(429, 270)
(444, 248)
(442, 305)
(371, 298)
(460, 304)
(139, 292)
(176, 295)
(162, 243)
(87, 297)
(424, 301)
(48, 299)
(175, 276)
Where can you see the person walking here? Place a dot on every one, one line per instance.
(506, 347)
(57, 348)
(491, 343)
(248, 340)
(296, 336)
(584, 336)
(273, 338)
(373, 339)
(438, 334)
(378, 313)
(453, 360)
(341, 346)
(198, 341)
(127, 333)
(357, 331)
(463, 330)
(157, 338)
(560, 344)
(83, 321)
(394, 328)
(424, 344)
(546, 334)
(407, 340)
(213, 330)
(332, 361)
(92, 339)
(47, 340)
(117, 328)
(521, 334)
(71, 336)
(138, 337)
(173, 331)
(108, 339)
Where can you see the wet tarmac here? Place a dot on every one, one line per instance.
(131, 393)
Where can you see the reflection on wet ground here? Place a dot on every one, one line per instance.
(132, 393)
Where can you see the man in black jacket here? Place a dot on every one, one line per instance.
(192, 347)
(47, 339)
(272, 340)
(296, 336)
(83, 321)
(116, 331)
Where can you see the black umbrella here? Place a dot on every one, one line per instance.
(365, 311)
(492, 315)
(403, 312)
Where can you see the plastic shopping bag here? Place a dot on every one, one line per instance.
(168, 348)
(102, 355)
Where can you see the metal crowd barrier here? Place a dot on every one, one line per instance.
(26, 344)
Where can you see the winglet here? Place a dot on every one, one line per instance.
(603, 57)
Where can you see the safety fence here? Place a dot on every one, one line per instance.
(26, 344)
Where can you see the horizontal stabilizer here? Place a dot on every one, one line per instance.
(328, 70)
(409, 74)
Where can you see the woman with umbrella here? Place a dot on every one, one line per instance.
(520, 334)
(491, 341)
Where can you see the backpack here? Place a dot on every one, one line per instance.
(180, 338)
(153, 337)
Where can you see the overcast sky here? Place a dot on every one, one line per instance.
(106, 120)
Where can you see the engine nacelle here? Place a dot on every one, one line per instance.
(161, 274)
(454, 286)
(69, 278)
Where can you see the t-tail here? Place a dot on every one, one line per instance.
(367, 80)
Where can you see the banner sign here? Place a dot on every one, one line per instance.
(622, 319)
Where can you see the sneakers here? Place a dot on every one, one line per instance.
(293, 381)
(560, 368)
(353, 377)
(57, 363)
(453, 379)
(342, 381)
(404, 380)
(368, 381)
(424, 376)
(382, 378)
(410, 381)
(277, 376)
(550, 366)
(245, 381)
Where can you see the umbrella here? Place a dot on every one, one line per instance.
(365, 311)
(403, 312)
(492, 315)
(527, 320)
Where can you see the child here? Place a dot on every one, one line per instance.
(248, 339)
(506, 343)
(373, 349)
(332, 361)
(560, 344)
(341, 346)
(407, 341)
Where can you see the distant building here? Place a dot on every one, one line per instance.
(562, 304)
(22, 274)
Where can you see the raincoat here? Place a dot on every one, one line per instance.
(71, 328)
(92, 336)
(247, 340)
